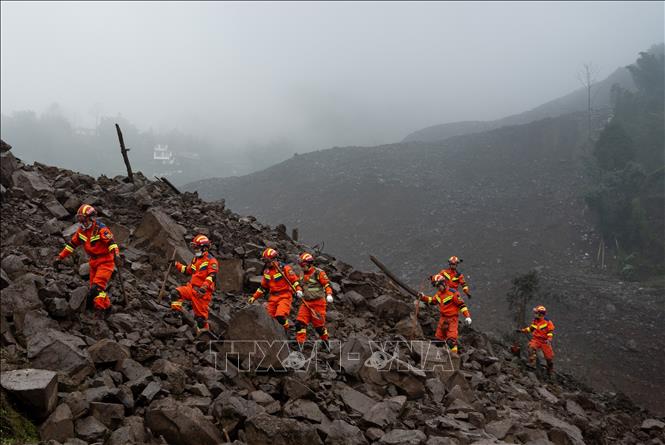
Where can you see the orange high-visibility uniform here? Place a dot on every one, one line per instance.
(316, 287)
(450, 304)
(279, 290)
(98, 243)
(203, 270)
(542, 330)
(454, 280)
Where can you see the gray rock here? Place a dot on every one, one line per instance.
(560, 432)
(295, 389)
(173, 375)
(110, 414)
(436, 389)
(231, 277)
(231, 410)
(60, 352)
(8, 165)
(32, 183)
(107, 351)
(342, 433)
(37, 389)
(403, 437)
(355, 298)
(385, 413)
(546, 395)
(90, 429)
(59, 426)
(56, 209)
(78, 403)
(356, 400)
(304, 409)
(14, 265)
(354, 353)
(652, 424)
(132, 432)
(267, 347)
(149, 392)
(77, 298)
(161, 233)
(499, 428)
(390, 308)
(574, 408)
(265, 429)
(180, 424)
(133, 370)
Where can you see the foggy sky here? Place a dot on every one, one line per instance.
(314, 74)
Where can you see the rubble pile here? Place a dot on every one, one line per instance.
(135, 376)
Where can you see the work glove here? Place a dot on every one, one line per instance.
(329, 298)
(467, 320)
(251, 300)
(299, 294)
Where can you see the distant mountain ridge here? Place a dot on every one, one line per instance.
(570, 103)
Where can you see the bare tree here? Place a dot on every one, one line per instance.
(587, 77)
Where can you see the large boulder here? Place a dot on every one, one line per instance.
(230, 410)
(265, 429)
(36, 389)
(385, 413)
(107, 351)
(231, 276)
(160, 232)
(257, 340)
(32, 183)
(180, 424)
(342, 433)
(60, 352)
(356, 400)
(8, 165)
(21, 295)
(132, 431)
(390, 308)
(59, 426)
(403, 437)
(90, 429)
(560, 432)
(354, 352)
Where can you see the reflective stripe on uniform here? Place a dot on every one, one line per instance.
(69, 248)
(112, 247)
(266, 276)
(447, 299)
(209, 278)
(94, 238)
(277, 275)
(101, 295)
(543, 326)
(83, 237)
(183, 268)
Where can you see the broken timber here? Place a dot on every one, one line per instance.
(392, 276)
(124, 151)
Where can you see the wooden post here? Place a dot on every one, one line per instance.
(294, 234)
(124, 151)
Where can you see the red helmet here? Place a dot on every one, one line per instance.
(269, 254)
(200, 241)
(540, 310)
(85, 215)
(437, 279)
(306, 258)
(86, 211)
(454, 260)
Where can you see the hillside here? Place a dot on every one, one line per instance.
(570, 103)
(506, 201)
(131, 377)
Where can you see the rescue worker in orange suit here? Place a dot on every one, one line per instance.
(203, 269)
(454, 279)
(450, 304)
(98, 243)
(316, 293)
(279, 287)
(542, 330)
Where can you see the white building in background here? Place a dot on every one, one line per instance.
(161, 153)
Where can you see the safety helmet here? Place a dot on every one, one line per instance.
(269, 254)
(437, 279)
(453, 260)
(305, 258)
(540, 310)
(200, 241)
(85, 215)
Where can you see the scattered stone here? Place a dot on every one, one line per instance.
(37, 389)
(59, 426)
(180, 424)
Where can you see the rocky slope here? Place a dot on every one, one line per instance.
(570, 103)
(131, 377)
(506, 201)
